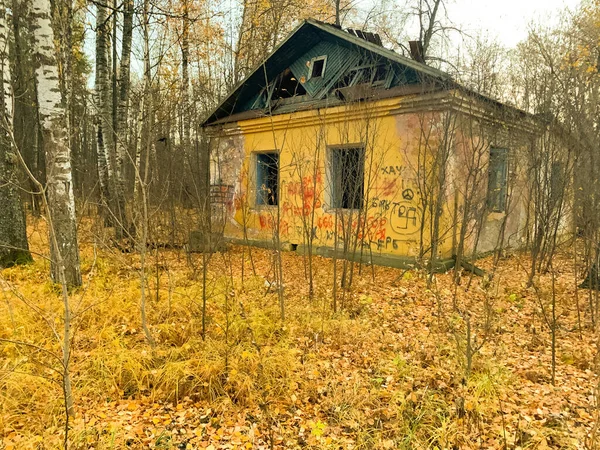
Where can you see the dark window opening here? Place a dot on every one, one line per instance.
(347, 169)
(267, 178)
(318, 67)
(380, 73)
(497, 180)
(557, 181)
(288, 86)
(372, 73)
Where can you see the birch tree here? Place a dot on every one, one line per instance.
(122, 115)
(185, 77)
(104, 132)
(13, 232)
(64, 251)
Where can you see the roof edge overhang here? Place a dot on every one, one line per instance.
(426, 71)
(458, 100)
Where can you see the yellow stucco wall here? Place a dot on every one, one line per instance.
(400, 137)
(390, 224)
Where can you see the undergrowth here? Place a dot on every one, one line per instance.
(376, 375)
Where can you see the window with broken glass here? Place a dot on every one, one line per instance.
(317, 67)
(557, 181)
(347, 176)
(267, 178)
(497, 179)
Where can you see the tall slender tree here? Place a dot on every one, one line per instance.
(64, 250)
(122, 115)
(104, 122)
(13, 231)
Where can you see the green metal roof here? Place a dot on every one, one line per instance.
(309, 40)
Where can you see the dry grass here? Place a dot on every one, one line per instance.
(387, 372)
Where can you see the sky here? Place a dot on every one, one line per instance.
(505, 20)
(508, 20)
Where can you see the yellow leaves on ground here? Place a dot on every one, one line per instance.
(387, 372)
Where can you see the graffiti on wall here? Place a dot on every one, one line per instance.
(391, 220)
(391, 170)
(405, 218)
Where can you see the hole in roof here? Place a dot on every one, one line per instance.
(288, 86)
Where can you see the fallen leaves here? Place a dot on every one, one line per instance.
(388, 372)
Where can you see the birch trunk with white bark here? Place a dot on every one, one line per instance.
(104, 123)
(122, 114)
(14, 248)
(59, 188)
(58, 198)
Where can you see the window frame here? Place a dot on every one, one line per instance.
(496, 196)
(331, 192)
(312, 64)
(259, 199)
(557, 180)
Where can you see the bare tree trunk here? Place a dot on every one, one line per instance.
(58, 196)
(185, 78)
(14, 248)
(58, 155)
(122, 113)
(142, 181)
(104, 131)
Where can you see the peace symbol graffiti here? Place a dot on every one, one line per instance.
(408, 194)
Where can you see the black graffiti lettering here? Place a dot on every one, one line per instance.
(404, 218)
(408, 194)
(408, 216)
(391, 170)
(393, 242)
(384, 204)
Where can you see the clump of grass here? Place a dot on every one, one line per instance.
(347, 372)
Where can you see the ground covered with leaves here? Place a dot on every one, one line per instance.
(399, 365)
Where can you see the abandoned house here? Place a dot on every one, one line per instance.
(340, 144)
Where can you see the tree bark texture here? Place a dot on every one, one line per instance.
(14, 248)
(104, 122)
(122, 114)
(64, 250)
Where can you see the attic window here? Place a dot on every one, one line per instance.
(317, 67)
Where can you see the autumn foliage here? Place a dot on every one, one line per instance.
(387, 371)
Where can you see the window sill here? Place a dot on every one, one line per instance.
(259, 208)
(496, 215)
(330, 210)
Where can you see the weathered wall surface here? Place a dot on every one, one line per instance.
(488, 230)
(392, 219)
(400, 146)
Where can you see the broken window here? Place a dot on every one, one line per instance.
(347, 173)
(267, 178)
(373, 73)
(317, 67)
(497, 180)
(287, 86)
(557, 180)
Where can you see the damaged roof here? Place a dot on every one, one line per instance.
(348, 65)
